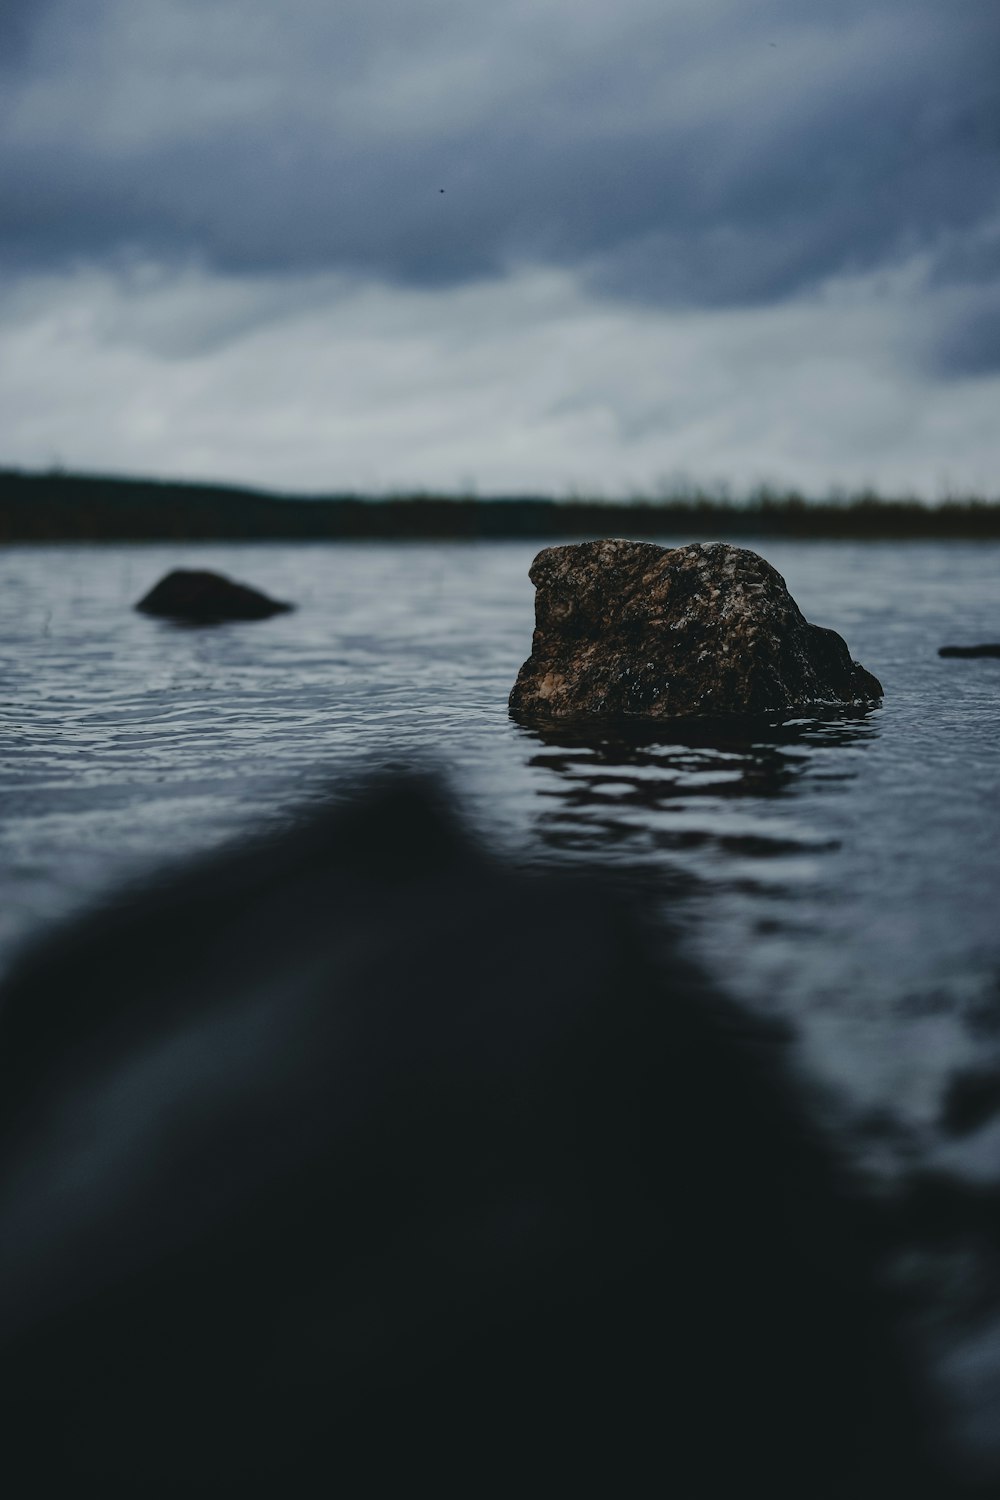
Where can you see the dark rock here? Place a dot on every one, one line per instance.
(205, 598)
(630, 630)
(987, 650)
(356, 1156)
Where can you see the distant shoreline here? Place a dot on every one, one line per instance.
(61, 507)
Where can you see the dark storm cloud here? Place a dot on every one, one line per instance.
(701, 154)
(18, 20)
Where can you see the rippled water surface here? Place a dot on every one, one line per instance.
(842, 875)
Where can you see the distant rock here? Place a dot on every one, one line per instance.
(205, 598)
(988, 650)
(630, 630)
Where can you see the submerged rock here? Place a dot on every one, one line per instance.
(987, 650)
(357, 1132)
(631, 630)
(206, 598)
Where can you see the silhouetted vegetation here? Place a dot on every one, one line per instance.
(69, 507)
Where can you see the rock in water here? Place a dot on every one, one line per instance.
(630, 630)
(987, 650)
(205, 598)
(356, 1154)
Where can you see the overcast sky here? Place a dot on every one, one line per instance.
(734, 240)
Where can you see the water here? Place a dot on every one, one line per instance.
(841, 875)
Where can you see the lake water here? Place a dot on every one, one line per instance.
(841, 875)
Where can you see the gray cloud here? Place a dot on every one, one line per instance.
(739, 242)
(524, 383)
(670, 153)
(965, 340)
(18, 22)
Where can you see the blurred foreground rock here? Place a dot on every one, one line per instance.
(630, 630)
(204, 598)
(356, 1160)
(986, 650)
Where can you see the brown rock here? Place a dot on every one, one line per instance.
(203, 598)
(630, 630)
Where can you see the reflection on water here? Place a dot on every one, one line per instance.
(627, 783)
(723, 820)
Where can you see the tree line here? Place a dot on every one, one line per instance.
(58, 506)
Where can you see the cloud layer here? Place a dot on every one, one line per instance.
(524, 383)
(671, 168)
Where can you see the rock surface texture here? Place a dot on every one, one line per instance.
(204, 598)
(630, 630)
